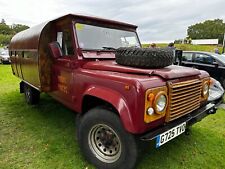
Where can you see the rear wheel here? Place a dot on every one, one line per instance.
(104, 141)
(32, 96)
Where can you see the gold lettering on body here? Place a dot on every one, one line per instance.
(62, 84)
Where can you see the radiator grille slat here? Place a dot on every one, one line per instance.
(185, 84)
(193, 93)
(184, 98)
(188, 87)
(175, 116)
(182, 108)
(192, 90)
(184, 105)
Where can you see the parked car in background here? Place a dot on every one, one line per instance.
(4, 57)
(216, 91)
(213, 63)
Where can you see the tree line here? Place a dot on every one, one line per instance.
(209, 29)
(8, 31)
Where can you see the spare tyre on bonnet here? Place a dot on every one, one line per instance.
(122, 93)
(144, 57)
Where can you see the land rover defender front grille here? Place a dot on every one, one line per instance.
(184, 98)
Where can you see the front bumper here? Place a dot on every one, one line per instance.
(190, 119)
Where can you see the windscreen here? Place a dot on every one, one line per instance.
(97, 38)
(221, 58)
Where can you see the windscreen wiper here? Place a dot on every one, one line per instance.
(108, 48)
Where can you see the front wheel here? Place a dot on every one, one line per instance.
(104, 141)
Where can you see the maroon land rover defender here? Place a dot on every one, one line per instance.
(122, 92)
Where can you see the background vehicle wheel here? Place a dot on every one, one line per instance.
(32, 95)
(144, 57)
(223, 82)
(104, 141)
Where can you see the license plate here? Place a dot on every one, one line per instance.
(170, 134)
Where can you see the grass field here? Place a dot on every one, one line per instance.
(43, 136)
(208, 48)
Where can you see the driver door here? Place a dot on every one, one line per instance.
(62, 67)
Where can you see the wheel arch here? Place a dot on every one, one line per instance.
(101, 96)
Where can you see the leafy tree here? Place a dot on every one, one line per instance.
(209, 29)
(5, 29)
(18, 28)
(3, 21)
(5, 39)
(7, 32)
(178, 41)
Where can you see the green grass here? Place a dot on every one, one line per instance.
(43, 136)
(207, 48)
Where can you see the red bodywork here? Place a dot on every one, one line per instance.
(107, 80)
(79, 79)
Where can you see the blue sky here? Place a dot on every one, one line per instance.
(157, 20)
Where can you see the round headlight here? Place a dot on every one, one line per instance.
(205, 89)
(160, 103)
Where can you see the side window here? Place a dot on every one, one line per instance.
(28, 55)
(202, 58)
(64, 38)
(19, 54)
(187, 57)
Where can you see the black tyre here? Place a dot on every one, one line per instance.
(104, 142)
(32, 96)
(144, 57)
(77, 123)
(222, 81)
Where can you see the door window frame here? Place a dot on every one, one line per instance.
(194, 57)
(68, 26)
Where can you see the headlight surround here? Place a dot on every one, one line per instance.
(154, 97)
(160, 102)
(205, 89)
